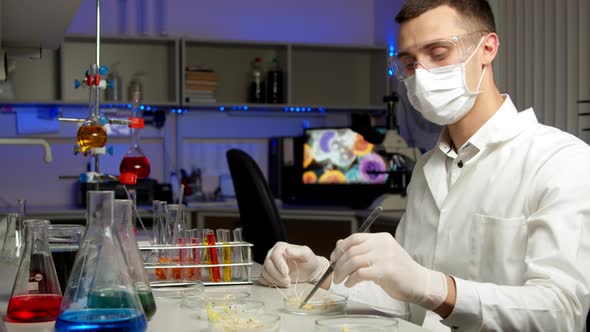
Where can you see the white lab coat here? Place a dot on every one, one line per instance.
(514, 231)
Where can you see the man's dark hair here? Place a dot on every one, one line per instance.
(477, 12)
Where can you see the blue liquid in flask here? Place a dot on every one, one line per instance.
(96, 320)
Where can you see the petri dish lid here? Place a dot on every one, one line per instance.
(176, 292)
(356, 323)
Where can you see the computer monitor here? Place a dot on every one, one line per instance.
(341, 156)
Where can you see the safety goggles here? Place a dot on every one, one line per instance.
(435, 53)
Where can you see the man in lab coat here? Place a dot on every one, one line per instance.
(496, 235)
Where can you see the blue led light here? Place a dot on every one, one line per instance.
(321, 109)
(141, 107)
(233, 108)
(221, 108)
(129, 106)
(154, 109)
(286, 109)
(297, 109)
(390, 72)
(239, 108)
(173, 110)
(179, 111)
(309, 109)
(185, 110)
(245, 107)
(291, 109)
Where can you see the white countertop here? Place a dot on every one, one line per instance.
(171, 317)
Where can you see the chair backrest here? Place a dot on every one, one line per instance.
(258, 213)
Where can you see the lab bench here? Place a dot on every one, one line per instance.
(170, 316)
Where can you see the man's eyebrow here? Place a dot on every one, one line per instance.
(404, 53)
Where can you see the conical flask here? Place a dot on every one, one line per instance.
(123, 221)
(36, 296)
(100, 295)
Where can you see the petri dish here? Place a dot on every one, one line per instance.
(356, 323)
(176, 292)
(246, 323)
(202, 300)
(319, 304)
(228, 310)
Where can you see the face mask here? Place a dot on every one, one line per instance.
(441, 94)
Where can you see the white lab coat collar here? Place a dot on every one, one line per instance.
(505, 124)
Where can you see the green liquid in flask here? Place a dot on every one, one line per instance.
(111, 298)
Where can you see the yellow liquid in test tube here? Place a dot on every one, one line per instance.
(224, 252)
(226, 260)
(94, 136)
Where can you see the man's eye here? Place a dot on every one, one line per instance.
(438, 53)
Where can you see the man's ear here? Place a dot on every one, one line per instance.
(491, 43)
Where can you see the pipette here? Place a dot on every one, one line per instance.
(364, 228)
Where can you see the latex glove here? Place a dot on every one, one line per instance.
(288, 263)
(379, 258)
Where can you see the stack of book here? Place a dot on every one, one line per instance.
(200, 85)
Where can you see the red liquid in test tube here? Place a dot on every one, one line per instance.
(215, 275)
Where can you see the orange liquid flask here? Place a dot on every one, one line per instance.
(91, 136)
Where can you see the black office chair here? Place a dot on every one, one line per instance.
(258, 213)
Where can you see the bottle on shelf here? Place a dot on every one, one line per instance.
(114, 91)
(257, 89)
(274, 83)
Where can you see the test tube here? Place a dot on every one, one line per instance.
(156, 216)
(226, 255)
(212, 258)
(20, 226)
(238, 255)
(196, 240)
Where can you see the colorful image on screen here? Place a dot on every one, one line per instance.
(341, 156)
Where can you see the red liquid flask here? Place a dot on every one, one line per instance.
(134, 162)
(137, 165)
(36, 296)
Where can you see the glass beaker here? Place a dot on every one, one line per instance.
(9, 257)
(64, 241)
(36, 296)
(10, 245)
(174, 234)
(100, 295)
(123, 217)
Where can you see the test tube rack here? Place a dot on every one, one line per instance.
(244, 264)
